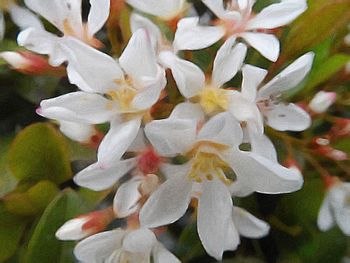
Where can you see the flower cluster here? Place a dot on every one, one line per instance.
(211, 148)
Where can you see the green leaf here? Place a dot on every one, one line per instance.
(38, 153)
(11, 229)
(320, 21)
(43, 245)
(7, 181)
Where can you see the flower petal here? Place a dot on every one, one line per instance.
(189, 77)
(277, 15)
(164, 135)
(118, 139)
(77, 107)
(192, 36)
(168, 203)
(289, 77)
(262, 145)
(217, 7)
(140, 241)
(325, 220)
(214, 216)
(90, 69)
(228, 61)
(266, 44)
(97, 177)
(98, 247)
(98, 15)
(252, 78)
(79, 132)
(248, 225)
(2, 26)
(263, 175)
(23, 18)
(162, 255)
(288, 117)
(187, 110)
(127, 197)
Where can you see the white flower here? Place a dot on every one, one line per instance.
(79, 132)
(335, 208)
(238, 20)
(251, 105)
(212, 151)
(66, 16)
(164, 9)
(120, 246)
(322, 101)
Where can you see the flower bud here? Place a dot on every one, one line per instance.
(322, 101)
(149, 161)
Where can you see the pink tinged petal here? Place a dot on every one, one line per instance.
(72, 229)
(23, 18)
(263, 175)
(98, 15)
(161, 255)
(126, 199)
(288, 117)
(189, 77)
(2, 25)
(192, 36)
(325, 219)
(118, 139)
(166, 9)
(97, 177)
(138, 59)
(248, 225)
(266, 44)
(168, 203)
(188, 110)
(322, 101)
(214, 217)
(90, 69)
(77, 107)
(98, 247)
(289, 77)
(140, 241)
(151, 91)
(79, 132)
(165, 135)
(44, 43)
(277, 15)
(228, 61)
(223, 129)
(137, 22)
(252, 78)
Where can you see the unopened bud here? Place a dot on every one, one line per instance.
(332, 153)
(322, 101)
(79, 132)
(341, 128)
(149, 162)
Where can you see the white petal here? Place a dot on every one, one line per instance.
(228, 61)
(277, 15)
(162, 255)
(168, 203)
(166, 9)
(248, 225)
(322, 101)
(325, 220)
(164, 135)
(217, 7)
(23, 18)
(262, 145)
(223, 129)
(117, 141)
(289, 77)
(90, 69)
(189, 77)
(77, 107)
(98, 15)
(127, 197)
(288, 117)
(192, 36)
(252, 78)
(137, 21)
(139, 143)
(98, 247)
(214, 216)
(59, 12)
(263, 175)
(339, 196)
(139, 241)
(2, 26)
(173, 171)
(72, 229)
(79, 132)
(187, 110)
(266, 44)
(138, 59)
(97, 177)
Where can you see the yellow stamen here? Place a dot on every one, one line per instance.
(213, 100)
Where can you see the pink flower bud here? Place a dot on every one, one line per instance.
(322, 101)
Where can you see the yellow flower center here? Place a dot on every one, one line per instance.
(213, 100)
(124, 95)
